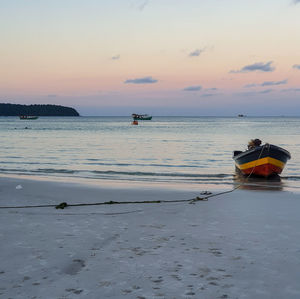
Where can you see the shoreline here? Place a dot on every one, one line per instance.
(113, 183)
(243, 244)
(252, 184)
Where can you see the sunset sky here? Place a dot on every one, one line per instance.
(163, 57)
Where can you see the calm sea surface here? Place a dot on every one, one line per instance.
(180, 150)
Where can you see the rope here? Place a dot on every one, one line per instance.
(191, 201)
(240, 185)
(64, 204)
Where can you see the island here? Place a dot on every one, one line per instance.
(37, 110)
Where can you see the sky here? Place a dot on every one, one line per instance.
(161, 57)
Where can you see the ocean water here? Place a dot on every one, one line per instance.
(170, 150)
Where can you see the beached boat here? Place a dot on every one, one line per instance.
(262, 160)
(141, 116)
(28, 117)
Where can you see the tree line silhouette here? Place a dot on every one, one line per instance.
(36, 110)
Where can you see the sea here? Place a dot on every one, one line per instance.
(192, 152)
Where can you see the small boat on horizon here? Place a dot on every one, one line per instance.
(261, 160)
(141, 116)
(28, 117)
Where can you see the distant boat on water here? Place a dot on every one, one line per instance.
(241, 115)
(28, 117)
(141, 116)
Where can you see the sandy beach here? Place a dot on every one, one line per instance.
(123, 113)
(243, 244)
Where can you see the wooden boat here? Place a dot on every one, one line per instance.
(265, 160)
(141, 116)
(28, 117)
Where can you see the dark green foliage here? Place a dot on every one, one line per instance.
(37, 110)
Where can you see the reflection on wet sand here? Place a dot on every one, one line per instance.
(272, 183)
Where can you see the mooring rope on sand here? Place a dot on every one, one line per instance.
(243, 183)
(111, 202)
(191, 201)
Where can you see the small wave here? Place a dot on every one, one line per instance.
(52, 170)
(112, 173)
(141, 164)
(291, 177)
(165, 174)
(108, 164)
(13, 170)
(25, 163)
(39, 170)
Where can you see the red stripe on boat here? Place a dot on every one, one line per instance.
(263, 170)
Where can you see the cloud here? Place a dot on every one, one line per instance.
(51, 95)
(266, 91)
(141, 4)
(251, 85)
(296, 1)
(291, 90)
(258, 66)
(211, 89)
(272, 83)
(205, 95)
(197, 52)
(267, 83)
(253, 93)
(144, 80)
(116, 57)
(296, 66)
(193, 88)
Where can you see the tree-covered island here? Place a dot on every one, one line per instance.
(37, 110)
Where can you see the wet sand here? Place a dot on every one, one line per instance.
(244, 244)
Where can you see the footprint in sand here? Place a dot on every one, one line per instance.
(26, 278)
(126, 291)
(175, 276)
(74, 291)
(158, 280)
(190, 293)
(215, 251)
(74, 267)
